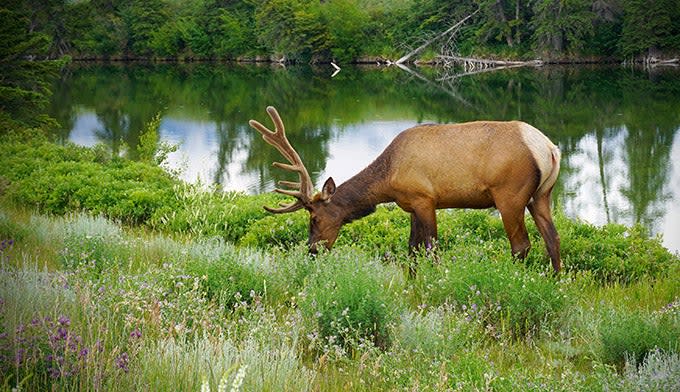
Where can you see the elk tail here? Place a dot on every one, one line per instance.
(550, 178)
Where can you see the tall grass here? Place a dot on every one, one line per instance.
(88, 304)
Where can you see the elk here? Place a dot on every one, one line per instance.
(507, 165)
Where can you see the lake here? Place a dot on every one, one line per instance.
(617, 127)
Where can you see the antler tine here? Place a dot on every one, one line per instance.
(278, 139)
(294, 206)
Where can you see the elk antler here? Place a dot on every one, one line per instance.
(278, 139)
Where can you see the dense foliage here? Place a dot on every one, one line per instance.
(115, 275)
(24, 84)
(347, 30)
(88, 304)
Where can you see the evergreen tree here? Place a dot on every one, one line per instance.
(24, 80)
(650, 25)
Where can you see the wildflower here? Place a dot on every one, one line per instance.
(205, 385)
(54, 373)
(123, 361)
(136, 334)
(222, 386)
(65, 321)
(238, 379)
(19, 356)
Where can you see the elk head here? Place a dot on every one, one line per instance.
(325, 220)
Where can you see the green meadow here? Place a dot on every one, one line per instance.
(115, 275)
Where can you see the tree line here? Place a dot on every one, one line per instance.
(350, 30)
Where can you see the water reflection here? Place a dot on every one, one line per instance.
(617, 128)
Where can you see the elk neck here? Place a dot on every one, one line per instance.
(358, 196)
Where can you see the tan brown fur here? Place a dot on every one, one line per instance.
(507, 165)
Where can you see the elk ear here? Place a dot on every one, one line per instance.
(328, 189)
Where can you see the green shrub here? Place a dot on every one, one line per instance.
(632, 335)
(385, 231)
(464, 226)
(211, 212)
(493, 289)
(93, 243)
(659, 372)
(60, 179)
(228, 280)
(291, 270)
(346, 305)
(278, 230)
(613, 253)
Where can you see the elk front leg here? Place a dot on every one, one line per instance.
(423, 228)
(423, 234)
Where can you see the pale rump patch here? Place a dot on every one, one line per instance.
(546, 155)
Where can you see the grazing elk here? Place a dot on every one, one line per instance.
(507, 165)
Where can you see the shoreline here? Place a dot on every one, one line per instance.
(381, 60)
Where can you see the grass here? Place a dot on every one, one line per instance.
(88, 304)
(149, 283)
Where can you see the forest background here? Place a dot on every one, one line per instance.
(352, 30)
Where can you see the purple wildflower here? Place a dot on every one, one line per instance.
(65, 321)
(122, 362)
(136, 334)
(19, 356)
(54, 373)
(98, 346)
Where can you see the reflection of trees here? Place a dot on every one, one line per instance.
(115, 129)
(566, 103)
(61, 107)
(124, 99)
(648, 157)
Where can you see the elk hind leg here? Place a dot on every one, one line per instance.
(540, 211)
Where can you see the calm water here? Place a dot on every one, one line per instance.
(617, 127)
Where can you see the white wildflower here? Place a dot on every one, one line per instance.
(238, 379)
(205, 386)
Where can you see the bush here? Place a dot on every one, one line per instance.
(492, 289)
(659, 372)
(613, 253)
(60, 179)
(346, 306)
(277, 230)
(210, 213)
(228, 281)
(385, 231)
(93, 243)
(632, 335)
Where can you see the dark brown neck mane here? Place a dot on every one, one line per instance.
(358, 196)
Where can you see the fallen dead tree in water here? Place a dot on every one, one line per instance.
(473, 64)
(450, 30)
